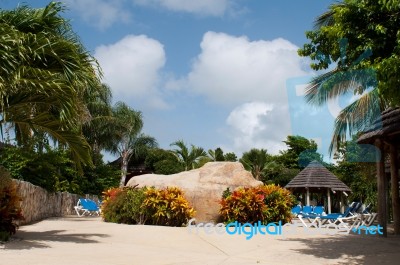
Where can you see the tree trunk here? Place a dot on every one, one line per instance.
(124, 169)
(394, 172)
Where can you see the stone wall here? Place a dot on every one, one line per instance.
(38, 204)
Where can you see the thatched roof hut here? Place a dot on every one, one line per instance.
(316, 178)
(315, 175)
(385, 135)
(387, 126)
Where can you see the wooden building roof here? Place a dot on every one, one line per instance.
(315, 175)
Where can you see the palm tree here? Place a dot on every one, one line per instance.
(356, 116)
(127, 139)
(346, 78)
(255, 161)
(216, 155)
(44, 72)
(188, 158)
(98, 130)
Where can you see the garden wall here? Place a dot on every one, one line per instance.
(38, 204)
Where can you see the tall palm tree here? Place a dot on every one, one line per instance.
(44, 72)
(188, 158)
(127, 139)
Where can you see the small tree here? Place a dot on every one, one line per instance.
(127, 138)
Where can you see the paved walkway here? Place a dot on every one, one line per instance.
(87, 241)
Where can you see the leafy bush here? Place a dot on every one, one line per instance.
(146, 206)
(10, 210)
(54, 170)
(267, 204)
(167, 207)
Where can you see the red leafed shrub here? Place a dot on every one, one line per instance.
(10, 210)
(132, 205)
(267, 204)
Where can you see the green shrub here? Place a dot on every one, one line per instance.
(124, 205)
(267, 204)
(10, 210)
(146, 206)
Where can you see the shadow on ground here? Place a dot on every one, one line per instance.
(353, 249)
(29, 240)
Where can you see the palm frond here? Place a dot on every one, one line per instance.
(356, 117)
(336, 83)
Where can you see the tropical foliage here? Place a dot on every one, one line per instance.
(255, 161)
(127, 139)
(266, 204)
(357, 170)
(55, 171)
(146, 206)
(163, 162)
(167, 207)
(189, 158)
(44, 74)
(366, 59)
(124, 205)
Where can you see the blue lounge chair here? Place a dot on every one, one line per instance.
(307, 210)
(348, 215)
(296, 210)
(318, 210)
(311, 214)
(86, 207)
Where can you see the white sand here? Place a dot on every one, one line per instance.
(73, 240)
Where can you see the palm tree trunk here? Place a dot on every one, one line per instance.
(124, 168)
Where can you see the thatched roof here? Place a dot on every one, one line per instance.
(385, 126)
(316, 175)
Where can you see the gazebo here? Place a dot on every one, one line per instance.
(315, 178)
(385, 135)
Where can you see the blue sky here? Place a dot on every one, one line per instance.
(215, 73)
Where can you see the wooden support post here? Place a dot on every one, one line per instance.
(342, 203)
(308, 196)
(382, 203)
(394, 174)
(329, 200)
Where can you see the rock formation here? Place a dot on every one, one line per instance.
(203, 187)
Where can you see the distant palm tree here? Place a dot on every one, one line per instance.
(188, 158)
(216, 155)
(127, 139)
(255, 161)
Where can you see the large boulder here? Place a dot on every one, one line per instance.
(203, 187)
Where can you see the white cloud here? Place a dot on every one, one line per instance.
(131, 67)
(249, 76)
(247, 117)
(101, 13)
(233, 70)
(202, 7)
(258, 125)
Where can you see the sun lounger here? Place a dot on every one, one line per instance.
(86, 207)
(296, 210)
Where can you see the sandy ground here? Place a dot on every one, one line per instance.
(88, 240)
